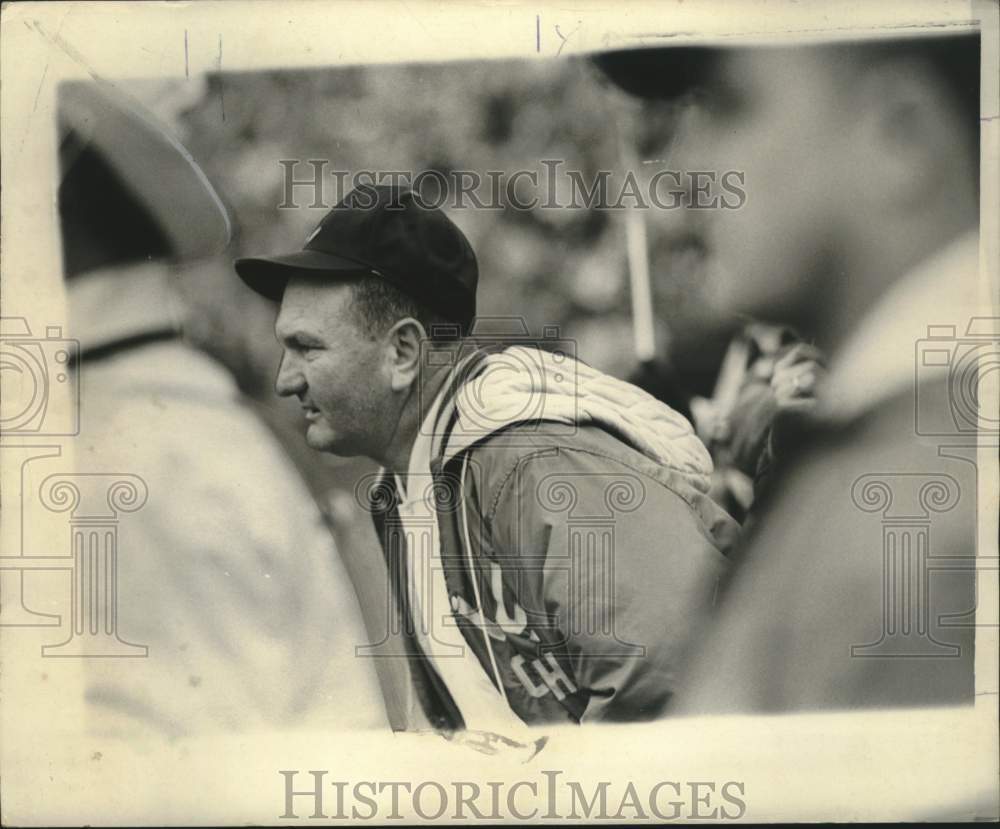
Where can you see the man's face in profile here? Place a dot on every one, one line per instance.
(331, 366)
(778, 116)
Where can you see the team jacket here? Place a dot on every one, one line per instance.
(579, 549)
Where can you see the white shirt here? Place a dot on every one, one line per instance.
(482, 706)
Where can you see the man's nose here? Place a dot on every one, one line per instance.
(290, 379)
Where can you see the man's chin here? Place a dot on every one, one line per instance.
(321, 438)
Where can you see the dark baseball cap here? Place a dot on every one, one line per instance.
(385, 231)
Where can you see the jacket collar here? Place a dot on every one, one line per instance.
(521, 384)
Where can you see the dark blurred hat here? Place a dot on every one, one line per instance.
(670, 71)
(129, 189)
(386, 231)
(661, 73)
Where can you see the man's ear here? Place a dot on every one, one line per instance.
(404, 340)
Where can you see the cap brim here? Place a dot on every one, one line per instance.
(269, 275)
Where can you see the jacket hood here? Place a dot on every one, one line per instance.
(522, 384)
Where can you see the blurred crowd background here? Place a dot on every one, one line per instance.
(563, 267)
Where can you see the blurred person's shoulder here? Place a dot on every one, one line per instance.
(853, 506)
(166, 371)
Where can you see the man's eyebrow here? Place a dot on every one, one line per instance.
(296, 336)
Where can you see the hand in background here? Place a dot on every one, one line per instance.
(795, 377)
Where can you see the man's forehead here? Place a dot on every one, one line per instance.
(310, 302)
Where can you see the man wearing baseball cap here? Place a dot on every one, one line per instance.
(860, 229)
(546, 527)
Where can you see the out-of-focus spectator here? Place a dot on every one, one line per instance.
(228, 574)
(860, 229)
(766, 372)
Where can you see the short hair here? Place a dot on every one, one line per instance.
(378, 305)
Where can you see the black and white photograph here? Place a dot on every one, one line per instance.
(487, 413)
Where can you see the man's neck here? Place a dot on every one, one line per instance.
(396, 457)
(857, 282)
(108, 305)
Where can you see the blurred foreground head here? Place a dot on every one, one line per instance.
(129, 192)
(132, 203)
(860, 161)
